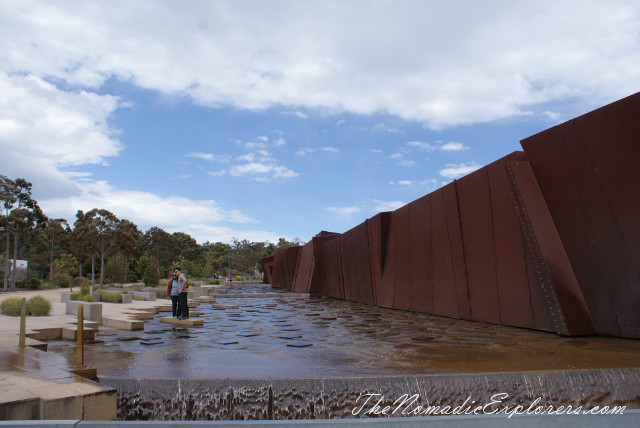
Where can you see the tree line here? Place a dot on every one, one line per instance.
(106, 249)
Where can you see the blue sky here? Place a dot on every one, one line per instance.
(265, 119)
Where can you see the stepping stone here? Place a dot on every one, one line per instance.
(187, 322)
(128, 338)
(423, 338)
(299, 345)
(247, 334)
(151, 343)
(219, 306)
(289, 337)
(227, 342)
(150, 338)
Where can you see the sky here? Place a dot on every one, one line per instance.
(261, 119)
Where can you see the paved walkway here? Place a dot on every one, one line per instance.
(41, 385)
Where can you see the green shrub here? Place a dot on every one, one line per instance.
(82, 297)
(213, 281)
(163, 283)
(11, 307)
(161, 292)
(80, 281)
(110, 297)
(61, 279)
(38, 306)
(29, 284)
(138, 297)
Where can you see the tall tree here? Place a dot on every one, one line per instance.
(25, 215)
(160, 246)
(106, 227)
(56, 230)
(7, 201)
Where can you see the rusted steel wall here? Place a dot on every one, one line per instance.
(279, 268)
(587, 170)
(267, 268)
(356, 265)
(303, 274)
(318, 267)
(548, 240)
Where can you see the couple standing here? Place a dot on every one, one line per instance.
(177, 291)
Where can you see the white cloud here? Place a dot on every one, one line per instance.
(261, 171)
(307, 150)
(381, 206)
(143, 208)
(419, 145)
(453, 146)
(217, 173)
(344, 210)
(203, 156)
(296, 113)
(43, 129)
(458, 170)
(401, 161)
(390, 59)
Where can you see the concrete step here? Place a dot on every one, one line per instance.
(123, 323)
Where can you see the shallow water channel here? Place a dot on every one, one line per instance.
(279, 334)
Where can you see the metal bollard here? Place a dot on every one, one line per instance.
(23, 322)
(79, 337)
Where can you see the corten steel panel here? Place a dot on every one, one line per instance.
(356, 265)
(331, 282)
(445, 301)
(550, 165)
(421, 256)
(597, 207)
(402, 278)
(558, 276)
(318, 248)
(544, 317)
(452, 211)
(511, 263)
(279, 259)
(267, 268)
(476, 221)
(304, 270)
(293, 253)
(378, 228)
(386, 293)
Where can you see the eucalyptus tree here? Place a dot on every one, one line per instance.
(7, 201)
(56, 231)
(160, 245)
(22, 214)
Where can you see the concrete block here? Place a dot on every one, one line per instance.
(65, 296)
(96, 296)
(62, 408)
(91, 311)
(123, 324)
(127, 298)
(100, 407)
(70, 333)
(146, 295)
(18, 405)
(190, 322)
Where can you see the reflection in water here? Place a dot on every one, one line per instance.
(278, 335)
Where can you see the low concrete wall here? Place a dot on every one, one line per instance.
(127, 298)
(146, 295)
(90, 311)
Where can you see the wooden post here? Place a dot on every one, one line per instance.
(79, 338)
(23, 322)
